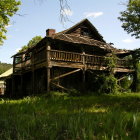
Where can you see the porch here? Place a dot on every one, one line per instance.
(51, 58)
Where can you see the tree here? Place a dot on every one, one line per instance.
(131, 18)
(7, 9)
(31, 43)
(63, 15)
(4, 67)
(136, 75)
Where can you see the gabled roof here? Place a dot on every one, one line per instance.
(72, 38)
(89, 24)
(82, 40)
(66, 36)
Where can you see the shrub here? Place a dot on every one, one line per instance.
(109, 84)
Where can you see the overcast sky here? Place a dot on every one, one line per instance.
(39, 15)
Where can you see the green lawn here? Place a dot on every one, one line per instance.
(60, 117)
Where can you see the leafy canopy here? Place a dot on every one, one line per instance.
(7, 9)
(31, 43)
(131, 18)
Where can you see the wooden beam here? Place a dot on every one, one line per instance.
(123, 70)
(121, 78)
(48, 79)
(59, 86)
(13, 86)
(21, 88)
(14, 65)
(67, 64)
(33, 82)
(83, 80)
(84, 61)
(33, 72)
(48, 48)
(63, 75)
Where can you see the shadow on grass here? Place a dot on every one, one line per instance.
(63, 117)
(66, 104)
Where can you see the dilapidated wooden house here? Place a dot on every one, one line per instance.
(64, 60)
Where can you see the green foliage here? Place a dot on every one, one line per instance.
(31, 43)
(24, 48)
(74, 92)
(138, 76)
(136, 66)
(109, 84)
(136, 56)
(131, 18)
(4, 67)
(61, 117)
(112, 61)
(34, 41)
(129, 61)
(126, 83)
(7, 9)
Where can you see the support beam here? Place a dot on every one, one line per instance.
(48, 79)
(63, 75)
(83, 80)
(21, 88)
(33, 72)
(14, 64)
(33, 82)
(59, 86)
(121, 78)
(13, 86)
(48, 48)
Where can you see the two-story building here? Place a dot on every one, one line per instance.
(64, 60)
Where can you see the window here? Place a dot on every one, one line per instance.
(85, 32)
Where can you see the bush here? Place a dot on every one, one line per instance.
(109, 84)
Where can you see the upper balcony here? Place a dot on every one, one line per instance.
(50, 58)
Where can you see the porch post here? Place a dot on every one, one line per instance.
(83, 74)
(13, 86)
(21, 90)
(33, 72)
(48, 48)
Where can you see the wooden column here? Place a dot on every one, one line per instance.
(33, 73)
(13, 86)
(84, 71)
(21, 90)
(14, 64)
(33, 82)
(48, 79)
(48, 48)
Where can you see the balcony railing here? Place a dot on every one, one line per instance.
(84, 58)
(68, 57)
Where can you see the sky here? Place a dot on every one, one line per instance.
(40, 15)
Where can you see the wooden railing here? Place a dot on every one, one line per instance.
(123, 63)
(95, 60)
(56, 55)
(65, 56)
(69, 57)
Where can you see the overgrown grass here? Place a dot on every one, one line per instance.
(60, 117)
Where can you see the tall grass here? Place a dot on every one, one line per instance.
(106, 117)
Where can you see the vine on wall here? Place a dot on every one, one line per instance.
(110, 84)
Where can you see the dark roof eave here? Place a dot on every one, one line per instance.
(91, 25)
(54, 39)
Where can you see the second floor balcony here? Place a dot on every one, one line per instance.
(28, 61)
